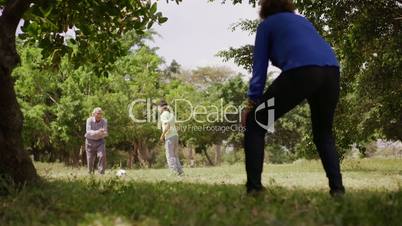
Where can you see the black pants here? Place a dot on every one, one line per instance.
(320, 86)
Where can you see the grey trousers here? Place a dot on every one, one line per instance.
(93, 149)
(172, 155)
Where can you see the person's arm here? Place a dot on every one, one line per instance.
(104, 129)
(165, 119)
(260, 63)
(91, 134)
(165, 130)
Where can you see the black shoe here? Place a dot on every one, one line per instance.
(256, 191)
(337, 193)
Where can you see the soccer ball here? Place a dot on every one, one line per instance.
(121, 172)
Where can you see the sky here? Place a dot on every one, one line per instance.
(196, 30)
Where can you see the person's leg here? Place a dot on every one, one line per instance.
(91, 155)
(287, 91)
(170, 155)
(322, 106)
(176, 152)
(101, 151)
(254, 153)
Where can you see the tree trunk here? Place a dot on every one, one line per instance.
(148, 155)
(141, 155)
(144, 154)
(35, 153)
(190, 155)
(14, 161)
(208, 158)
(136, 159)
(218, 154)
(83, 156)
(130, 159)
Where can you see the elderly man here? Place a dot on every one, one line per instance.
(96, 131)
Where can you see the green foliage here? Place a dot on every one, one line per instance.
(367, 37)
(242, 56)
(33, 85)
(278, 154)
(173, 69)
(96, 25)
(205, 77)
(136, 77)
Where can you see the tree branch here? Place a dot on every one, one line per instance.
(11, 15)
(13, 12)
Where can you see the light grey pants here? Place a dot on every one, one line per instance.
(172, 155)
(93, 149)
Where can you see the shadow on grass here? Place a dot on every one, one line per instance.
(115, 202)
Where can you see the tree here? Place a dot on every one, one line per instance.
(135, 76)
(242, 56)
(35, 92)
(97, 23)
(171, 70)
(367, 36)
(204, 77)
(232, 94)
(14, 162)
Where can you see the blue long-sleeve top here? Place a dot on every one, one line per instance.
(289, 41)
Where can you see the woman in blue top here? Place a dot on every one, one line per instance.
(310, 71)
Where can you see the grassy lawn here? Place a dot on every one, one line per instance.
(297, 195)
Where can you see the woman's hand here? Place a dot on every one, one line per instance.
(249, 105)
(244, 115)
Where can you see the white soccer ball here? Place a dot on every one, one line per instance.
(121, 172)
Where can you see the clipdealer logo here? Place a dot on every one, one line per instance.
(145, 111)
(268, 107)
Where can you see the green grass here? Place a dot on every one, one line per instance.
(297, 195)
